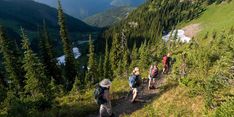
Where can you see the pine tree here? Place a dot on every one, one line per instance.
(48, 58)
(91, 75)
(106, 65)
(125, 62)
(11, 63)
(115, 53)
(70, 69)
(143, 62)
(36, 81)
(100, 69)
(134, 57)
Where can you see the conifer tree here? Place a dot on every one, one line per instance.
(115, 53)
(143, 62)
(134, 57)
(48, 58)
(100, 69)
(36, 81)
(11, 63)
(70, 70)
(106, 65)
(125, 62)
(91, 75)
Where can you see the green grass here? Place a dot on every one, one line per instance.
(216, 18)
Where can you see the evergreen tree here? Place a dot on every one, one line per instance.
(48, 58)
(134, 57)
(115, 53)
(100, 69)
(106, 65)
(143, 62)
(125, 62)
(11, 63)
(91, 75)
(70, 70)
(36, 87)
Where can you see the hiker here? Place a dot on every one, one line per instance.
(102, 97)
(135, 82)
(166, 62)
(153, 74)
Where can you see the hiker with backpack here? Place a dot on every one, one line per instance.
(166, 62)
(153, 74)
(102, 97)
(135, 82)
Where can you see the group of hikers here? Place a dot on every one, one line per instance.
(102, 94)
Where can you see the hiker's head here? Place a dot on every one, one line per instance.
(136, 71)
(169, 54)
(155, 64)
(105, 83)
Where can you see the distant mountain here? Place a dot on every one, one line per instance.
(84, 8)
(29, 14)
(109, 17)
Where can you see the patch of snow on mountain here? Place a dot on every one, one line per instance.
(180, 35)
(76, 52)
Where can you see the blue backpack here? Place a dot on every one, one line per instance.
(134, 81)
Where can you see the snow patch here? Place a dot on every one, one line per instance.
(180, 35)
(76, 52)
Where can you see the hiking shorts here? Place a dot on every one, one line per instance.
(151, 78)
(136, 89)
(105, 108)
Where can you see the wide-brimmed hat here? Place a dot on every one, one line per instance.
(105, 83)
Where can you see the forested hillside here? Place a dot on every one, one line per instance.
(199, 82)
(109, 17)
(30, 15)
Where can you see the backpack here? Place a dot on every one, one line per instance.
(165, 59)
(134, 81)
(153, 72)
(98, 95)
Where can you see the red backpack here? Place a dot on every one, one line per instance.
(164, 61)
(154, 72)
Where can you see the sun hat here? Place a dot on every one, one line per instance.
(105, 83)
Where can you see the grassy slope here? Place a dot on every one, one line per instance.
(216, 18)
(177, 102)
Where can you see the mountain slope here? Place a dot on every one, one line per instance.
(109, 17)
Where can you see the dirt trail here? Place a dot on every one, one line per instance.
(123, 106)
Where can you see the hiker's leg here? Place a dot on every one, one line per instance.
(134, 94)
(153, 82)
(102, 110)
(149, 83)
(164, 68)
(109, 109)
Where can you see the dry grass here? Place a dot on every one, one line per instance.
(173, 103)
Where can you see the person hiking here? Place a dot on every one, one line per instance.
(135, 82)
(153, 74)
(166, 62)
(102, 97)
